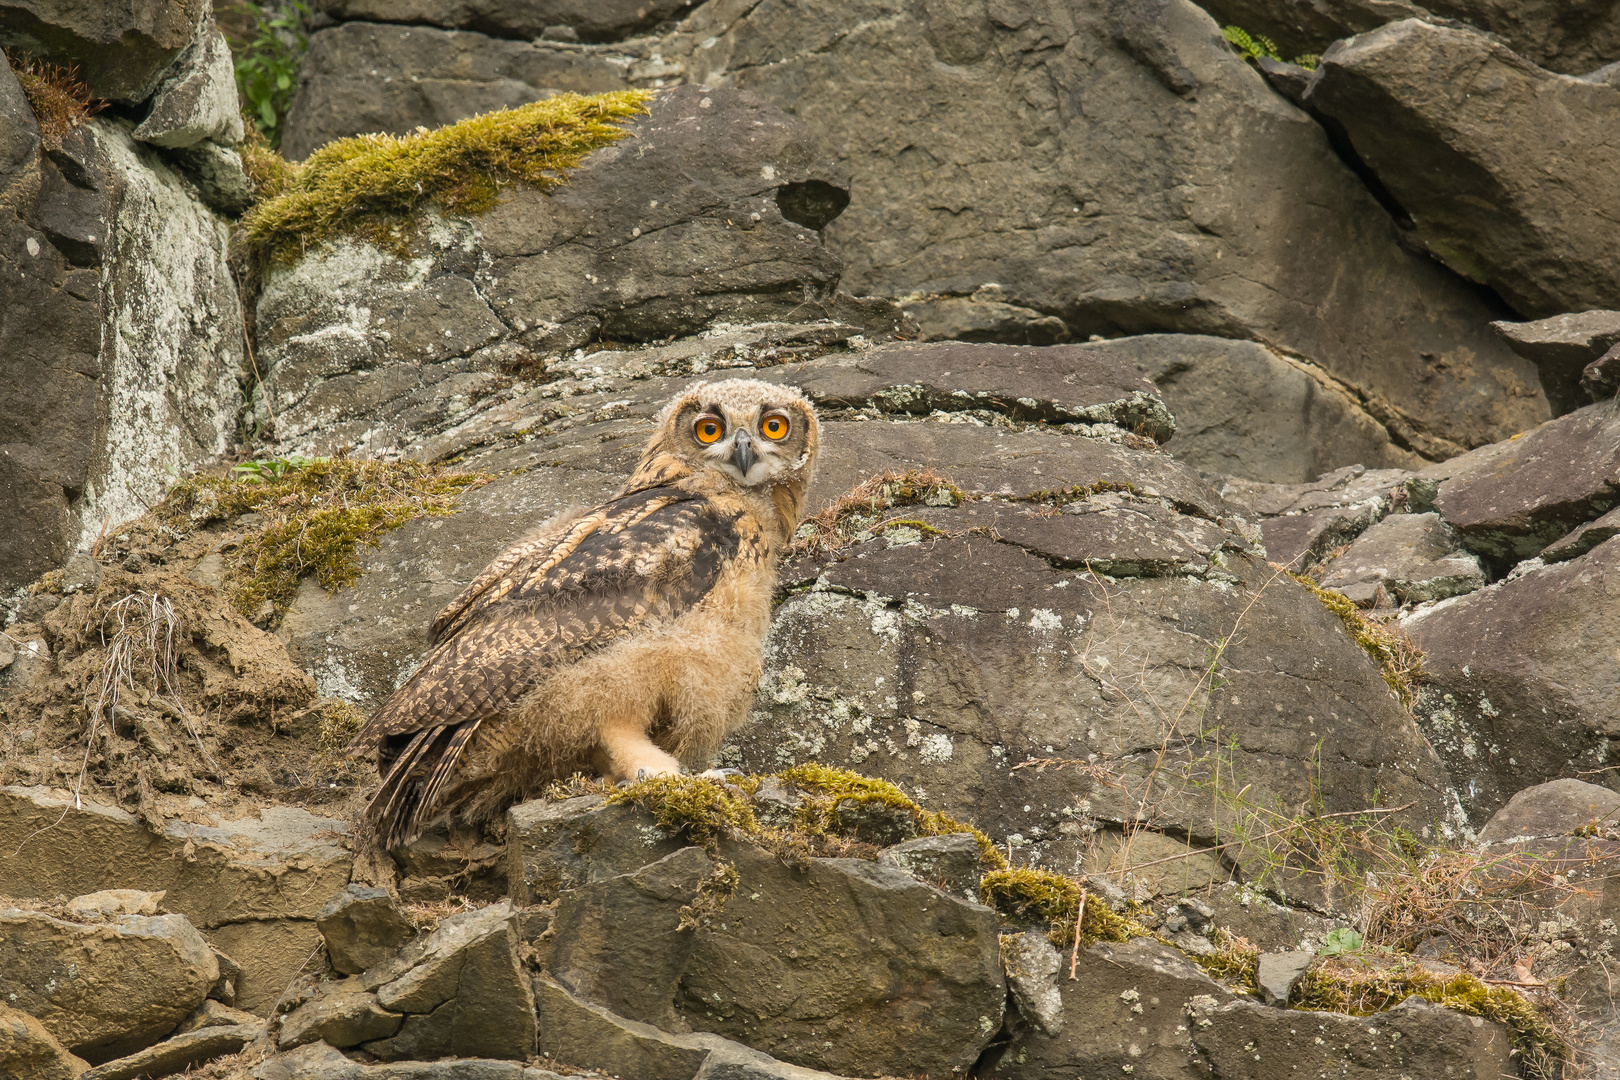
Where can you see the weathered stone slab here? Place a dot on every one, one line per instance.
(1562, 347)
(1521, 677)
(620, 942)
(271, 952)
(1455, 125)
(338, 1019)
(589, 1035)
(362, 927)
(1511, 499)
(949, 863)
(1032, 966)
(1583, 538)
(29, 1052)
(600, 21)
(120, 50)
(553, 847)
(178, 1054)
(1407, 558)
(106, 990)
(1278, 972)
(1556, 808)
(197, 99)
(1414, 1038)
(883, 974)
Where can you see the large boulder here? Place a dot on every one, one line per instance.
(1571, 38)
(29, 1052)
(366, 76)
(1460, 129)
(707, 213)
(120, 50)
(569, 20)
(104, 990)
(1520, 678)
(1140, 219)
(121, 337)
(1562, 348)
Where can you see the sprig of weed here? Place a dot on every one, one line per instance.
(59, 100)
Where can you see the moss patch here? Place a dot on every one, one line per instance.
(372, 186)
(1363, 986)
(59, 100)
(314, 515)
(1042, 896)
(1399, 661)
(701, 809)
(858, 515)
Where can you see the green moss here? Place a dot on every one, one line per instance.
(1042, 896)
(1362, 987)
(314, 515)
(270, 174)
(1234, 962)
(692, 805)
(372, 186)
(1399, 661)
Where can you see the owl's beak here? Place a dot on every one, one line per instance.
(742, 453)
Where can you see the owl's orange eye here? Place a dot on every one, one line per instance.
(708, 430)
(774, 426)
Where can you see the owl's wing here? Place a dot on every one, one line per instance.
(650, 555)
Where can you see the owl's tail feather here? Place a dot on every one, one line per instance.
(412, 792)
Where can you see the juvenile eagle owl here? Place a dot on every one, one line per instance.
(617, 640)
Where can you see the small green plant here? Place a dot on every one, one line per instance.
(1340, 942)
(1258, 46)
(267, 63)
(267, 469)
(59, 100)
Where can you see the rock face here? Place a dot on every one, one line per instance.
(1449, 121)
(1407, 558)
(197, 99)
(361, 928)
(569, 20)
(361, 348)
(103, 991)
(29, 1052)
(120, 50)
(1062, 237)
(1571, 38)
(896, 976)
(121, 334)
(254, 885)
(1556, 808)
(1562, 348)
(367, 76)
(1520, 677)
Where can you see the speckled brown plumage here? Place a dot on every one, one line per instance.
(624, 639)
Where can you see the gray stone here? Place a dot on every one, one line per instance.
(874, 822)
(1560, 37)
(178, 1054)
(1302, 523)
(776, 805)
(1409, 558)
(847, 966)
(421, 1036)
(120, 326)
(554, 847)
(1583, 538)
(29, 1052)
(111, 904)
(359, 347)
(983, 316)
(1520, 677)
(217, 171)
(471, 961)
(362, 927)
(601, 21)
(339, 1019)
(1244, 410)
(1450, 122)
(1601, 378)
(1555, 808)
(1260, 1043)
(949, 863)
(213, 1013)
(120, 50)
(1032, 966)
(318, 1061)
(1278, 972)
(197, 99)
(1510, 500)
(1562, 347)
(1130, 1005)
(104, 991)
(589, 1036)
(364, 76)
(737, 1063)
(623, 943)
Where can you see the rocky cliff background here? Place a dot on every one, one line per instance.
(1221, 484)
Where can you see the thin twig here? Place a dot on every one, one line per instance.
(1074, 953)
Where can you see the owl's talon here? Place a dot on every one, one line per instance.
(720, 774)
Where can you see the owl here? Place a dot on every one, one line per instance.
(623, 640)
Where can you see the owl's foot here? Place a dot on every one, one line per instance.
(720, 774)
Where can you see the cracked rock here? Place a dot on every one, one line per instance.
(361, 927)
(1032, 966)
(1408, 558)
(948, 863)
(1563, 348)
(197, 99)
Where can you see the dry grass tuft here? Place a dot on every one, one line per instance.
(59, 100)
(858, 515)
(370, 186)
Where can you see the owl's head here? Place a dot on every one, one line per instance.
(753, 433)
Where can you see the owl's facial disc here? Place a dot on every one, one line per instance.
(746, 444)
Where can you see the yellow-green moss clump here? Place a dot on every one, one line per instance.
(1363, 986)
(370, 186)
(1040, 895)
(1399, 661)
(704, 810)
(313, 516)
